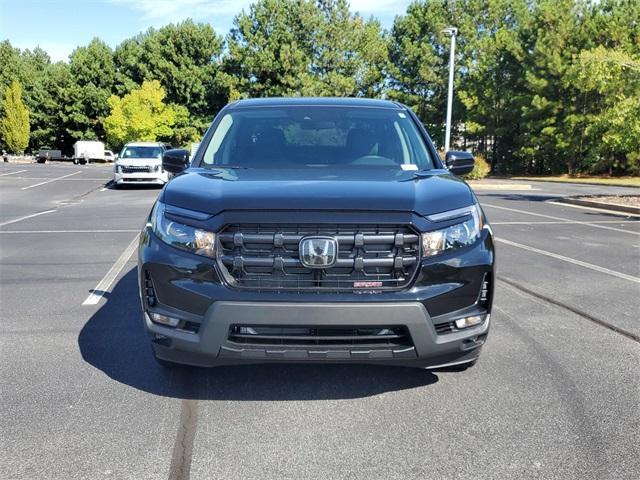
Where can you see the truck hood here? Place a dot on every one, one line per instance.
(216, 190)
(139, 162)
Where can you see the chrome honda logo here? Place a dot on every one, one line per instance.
(318, 252)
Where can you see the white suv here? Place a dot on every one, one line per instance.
(140, 163)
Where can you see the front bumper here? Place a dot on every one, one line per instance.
(210, 345)
(188, 287)
(138, 178)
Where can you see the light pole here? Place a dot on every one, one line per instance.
(452, 32)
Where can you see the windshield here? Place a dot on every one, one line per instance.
(141, 152)
(317, 136)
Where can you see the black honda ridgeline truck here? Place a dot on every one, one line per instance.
(317, 230)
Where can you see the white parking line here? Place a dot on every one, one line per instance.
(16, 220)
(49, 181)
(496, 186)
(576, 222)
(104, 284)
(595, 209)
(11, 173)
(613, 273)
(83, 179)
(558, 222)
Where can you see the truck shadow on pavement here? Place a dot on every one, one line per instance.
(519, 197)
(114, 341)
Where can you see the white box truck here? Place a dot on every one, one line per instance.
(86, 151)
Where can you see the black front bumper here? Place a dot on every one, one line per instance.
(189, 287)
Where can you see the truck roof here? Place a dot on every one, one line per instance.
(144, 144)
(317, 101)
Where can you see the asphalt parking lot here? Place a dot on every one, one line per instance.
(556, 393)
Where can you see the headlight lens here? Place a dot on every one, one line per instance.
(185, 237)
(116, 168)
(454, 236)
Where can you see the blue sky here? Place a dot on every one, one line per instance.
(58, 26)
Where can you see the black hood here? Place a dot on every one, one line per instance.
(376, 189)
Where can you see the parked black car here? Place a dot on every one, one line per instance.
(317, 230)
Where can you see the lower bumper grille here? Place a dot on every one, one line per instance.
(303, 336)
(444, 328)
(149, 291)
(132, 169)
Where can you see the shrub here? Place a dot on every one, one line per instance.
(14, 127)
(480, 170)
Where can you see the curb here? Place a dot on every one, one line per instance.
(558, 182)
(18, 162)
(499, 186)
(609, 206)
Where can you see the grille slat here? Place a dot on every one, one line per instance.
(317, 338)
(292, 262)
(392, 336)
(447, 327)
(370, 257)
(342, 239)
(136, 169)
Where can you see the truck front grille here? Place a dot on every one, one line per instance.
(304, 336)
(369, 257)
(136, 169)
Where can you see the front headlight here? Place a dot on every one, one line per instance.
(179, 235)
(116, 168)
(455, 236)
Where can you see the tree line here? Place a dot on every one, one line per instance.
(541, 86)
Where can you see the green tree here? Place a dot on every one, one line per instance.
(541, 85)
(491, 85)
(612, 79)
(10, 71)
(303, 47)
(35, 66)
(553, 37)
(14, 126)
(562, 112)
(270, 49)
(52, 109)
(185, 59)
(30, 68)
(418, 63)
(140, 115)
(489, 53)
(184, 129)
(84, 99)
(11, 64)
(349, 54)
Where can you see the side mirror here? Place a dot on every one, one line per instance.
(175, 161)
(459, 163)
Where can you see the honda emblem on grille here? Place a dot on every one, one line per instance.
(318, 252)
